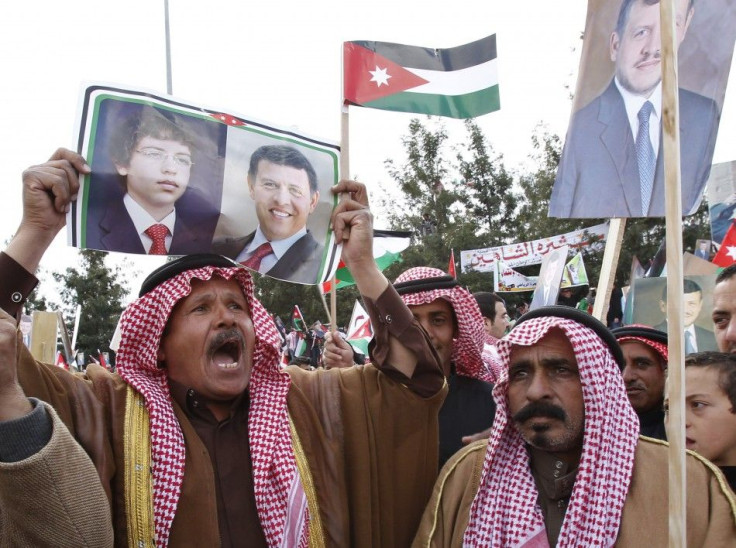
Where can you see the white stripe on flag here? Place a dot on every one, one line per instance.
(457, 82)
(389, 244)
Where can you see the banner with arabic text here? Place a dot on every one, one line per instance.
(526, 253)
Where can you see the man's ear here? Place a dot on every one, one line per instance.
(161, 355)
(121, 169)
(613, 45)
(251, 184)
(314, 198)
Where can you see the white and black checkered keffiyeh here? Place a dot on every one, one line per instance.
(505, 511)
(279, 494)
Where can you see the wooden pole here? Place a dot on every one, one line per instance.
(675, 305)
(608, 268)
(344, 174)
(66, 343)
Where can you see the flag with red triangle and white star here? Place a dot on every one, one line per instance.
(360, 330)
(459, 82)
(726, 255)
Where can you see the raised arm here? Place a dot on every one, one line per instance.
(48, 190)
(400, 342)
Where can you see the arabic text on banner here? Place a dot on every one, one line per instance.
(527, 253)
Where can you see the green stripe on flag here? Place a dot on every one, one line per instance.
(345, 277)
(455, 106)
(361, 345)
(301, 348)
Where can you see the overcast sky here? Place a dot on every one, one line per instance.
(279, 61)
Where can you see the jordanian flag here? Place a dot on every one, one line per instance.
(360, 330)
(297, 320)
(387, 248)
(459, 82)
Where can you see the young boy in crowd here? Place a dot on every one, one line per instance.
(710, 409)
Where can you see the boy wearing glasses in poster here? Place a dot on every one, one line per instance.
(153, 157)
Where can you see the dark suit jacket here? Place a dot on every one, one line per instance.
(598, 175)
(704, 338)
(300, 263)
(111, 228)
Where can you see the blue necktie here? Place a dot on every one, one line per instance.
(689, 346)
(645, 157)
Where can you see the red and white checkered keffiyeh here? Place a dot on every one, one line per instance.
(279, 493)
(658, 347)
(505, 511)
(468, 347)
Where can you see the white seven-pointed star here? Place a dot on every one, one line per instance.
(380, 76)
(731, 251)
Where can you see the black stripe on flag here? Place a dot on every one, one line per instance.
(457, 58)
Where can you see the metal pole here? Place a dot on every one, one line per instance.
(168, 48)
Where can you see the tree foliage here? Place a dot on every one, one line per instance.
(100, 291)
(462, 196)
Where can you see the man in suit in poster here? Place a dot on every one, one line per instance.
(284, 187)
(156, 212)
(697, 339)
(611, 165)
(550, 275)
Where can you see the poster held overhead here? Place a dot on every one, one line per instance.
(174, 178)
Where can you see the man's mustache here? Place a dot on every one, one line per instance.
(540, 409)
(230, 335)
(635, 384)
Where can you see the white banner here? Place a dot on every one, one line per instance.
(508, 280)
(526, 253)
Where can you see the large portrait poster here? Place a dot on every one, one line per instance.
(649, 301)
(173, 178)
(611, 164)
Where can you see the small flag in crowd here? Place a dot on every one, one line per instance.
(103, 362)
(301, 346)
(297, 320)
(460, 82)
(727, 253)
(360, 330)
(451, 266)
(60, 361)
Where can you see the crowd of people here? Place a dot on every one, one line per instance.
(462, 429)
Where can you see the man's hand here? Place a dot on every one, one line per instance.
(48, 190)
(337, 352)
(352, 223)
(13, 403)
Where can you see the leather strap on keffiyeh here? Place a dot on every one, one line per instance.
(468, 347)
(275, 475)
(505, 511)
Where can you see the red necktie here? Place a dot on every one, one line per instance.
(158, 234)
(254, 261)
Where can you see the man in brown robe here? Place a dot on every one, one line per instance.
(564, 465)
(200, 439)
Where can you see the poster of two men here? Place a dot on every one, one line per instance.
(173, 179)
